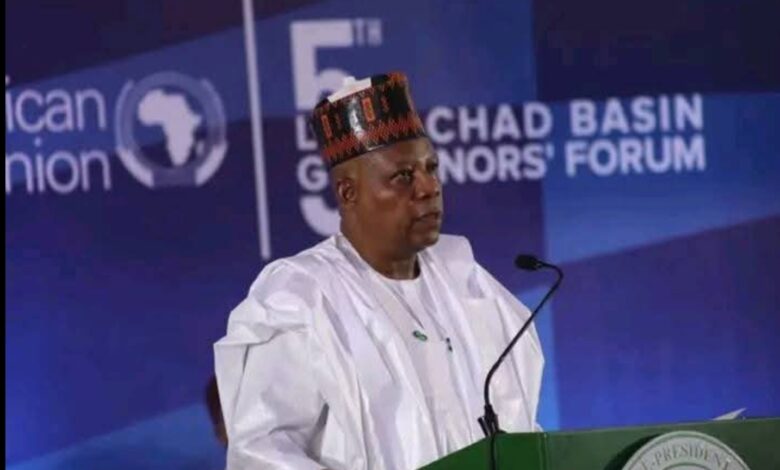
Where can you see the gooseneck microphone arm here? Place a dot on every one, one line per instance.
(489, 422)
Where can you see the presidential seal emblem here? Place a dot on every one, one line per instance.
(685, 450)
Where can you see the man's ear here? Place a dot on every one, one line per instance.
(346, 191)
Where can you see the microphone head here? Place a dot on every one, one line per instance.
(528, 262)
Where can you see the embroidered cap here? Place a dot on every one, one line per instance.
(365, 115)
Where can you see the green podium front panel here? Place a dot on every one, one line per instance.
(756, 441)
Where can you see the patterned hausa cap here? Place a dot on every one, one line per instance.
(363, 116)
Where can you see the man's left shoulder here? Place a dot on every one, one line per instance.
(454, 251)
(456, 246)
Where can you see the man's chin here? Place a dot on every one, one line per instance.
(425, 240)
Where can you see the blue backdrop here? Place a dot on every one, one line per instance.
(156, 160)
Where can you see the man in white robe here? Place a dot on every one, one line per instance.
(370, 349)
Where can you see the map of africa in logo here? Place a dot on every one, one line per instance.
(178, 121)
(193, 137)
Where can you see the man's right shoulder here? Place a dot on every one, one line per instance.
(310, 262)
(300, 274)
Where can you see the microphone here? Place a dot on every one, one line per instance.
(528, 262)
(489, 422)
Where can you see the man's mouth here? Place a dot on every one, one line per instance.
(430, 216)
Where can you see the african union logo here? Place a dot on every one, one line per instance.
(170, 130)
(685, 450)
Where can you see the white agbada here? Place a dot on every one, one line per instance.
(317, 368)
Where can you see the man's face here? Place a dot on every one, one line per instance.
(398, 197)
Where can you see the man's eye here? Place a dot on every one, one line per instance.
(433, 166)
(405, 176)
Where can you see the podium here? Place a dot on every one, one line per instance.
(706, 445)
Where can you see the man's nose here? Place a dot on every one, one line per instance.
(428, 185)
